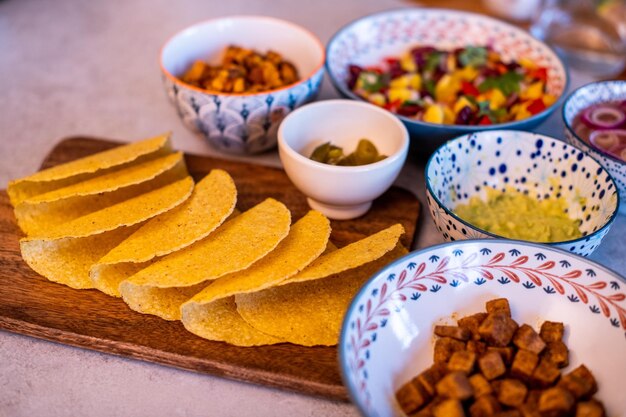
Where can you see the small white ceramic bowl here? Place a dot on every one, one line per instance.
(527, 162)
(583, 97)
(241, 123)
(387, 333)
(341, 192)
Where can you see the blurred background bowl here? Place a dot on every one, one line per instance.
(524, 161)
(370, 39)
(582, 98)
(387, 334)
(341, 192)
(241, 123)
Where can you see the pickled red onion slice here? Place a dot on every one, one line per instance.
(610, 141)
(603, 117)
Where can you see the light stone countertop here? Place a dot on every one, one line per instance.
(70, 67)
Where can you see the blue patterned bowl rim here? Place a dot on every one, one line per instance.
(355, 301)
(504, 132)
(571, 129)
(460, 128)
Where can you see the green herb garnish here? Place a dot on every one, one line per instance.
(475, 56)
(508, 83)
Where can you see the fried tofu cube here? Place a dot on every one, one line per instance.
(505, 352)
(455, 332)
(556, 402)
(455, 385)
(498, 328)
(411, 396)
(524, 364)
(449, 408)
(491, 365)
(580, 382)
(462, 361)
(591, 408)
(480, 385)
(551, 331)
(512, 392)
(498, 304)
(558, 353)
(485, 406)
(428, 379)
(545, 374)
(472, 323)
(445, 347)
(476, 346)
(527, 338)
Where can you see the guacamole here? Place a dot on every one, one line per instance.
(516, 215)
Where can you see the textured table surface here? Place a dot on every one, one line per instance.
(71, 67)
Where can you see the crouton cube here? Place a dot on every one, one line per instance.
(524, 364)
(480, 385)
(551, 331)
(505, 352)
(558, 353)
(512, 392)
(472, 323)
(498, 304)
(463, 361)
(455, 332)
(556, 402)
(529, 410)
(527, 338)
(545, 374)
(533, 397)
(428, 379)
(476, 346)
(591, 408)
(484, 406)
(579, 382)
(449, 408)
(411, 396)
(455, 385)
(445, 347)
(424, 412)
(498, 328)
(491, 365)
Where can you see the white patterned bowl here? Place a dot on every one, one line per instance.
(583, 97)
(370, 39)
(241, 123)
(528, 162)
(387, 332)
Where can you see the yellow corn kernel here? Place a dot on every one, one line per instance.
(461, 103)
(534, 91)
(434, 114)
(496, 99)
(407, 63)
(377, 99)
(399, 94)
(446, 89)
(466, 73)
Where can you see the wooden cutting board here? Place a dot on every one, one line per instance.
(34, 306)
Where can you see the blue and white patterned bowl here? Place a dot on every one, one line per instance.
(528, 162)
(387, 332)
(370, 39)
(241, 123)
(578, 100)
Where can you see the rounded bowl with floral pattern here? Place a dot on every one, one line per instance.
(244, 123)
(367, 41)
(387, 333)
(580, 99)
(509, 161)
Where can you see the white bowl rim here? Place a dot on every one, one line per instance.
(570, 128)
(460, 128)
(343, 364)
(389, 160)
(319, 67)
(607, 224)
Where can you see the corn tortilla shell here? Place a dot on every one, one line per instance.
(36, 219)
(88, 167)
(107, 277)
(161, 302)
(309, 313)
(212, 313)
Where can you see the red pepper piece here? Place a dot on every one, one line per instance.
(540, 74)
(485, 120)
(536, 106)
(393, 106)
(469, 89)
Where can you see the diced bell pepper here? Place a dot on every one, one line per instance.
(533, 91)
(466, 73)
(496, 99)
(434, 114)
(549, 99)
(377, 99)
(407, 63)
(446, 89)
(462, 102)
(401, 94)
(527, 63)
(448, 115)
(413, 81)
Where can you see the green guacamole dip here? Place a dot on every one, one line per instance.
(518, 216)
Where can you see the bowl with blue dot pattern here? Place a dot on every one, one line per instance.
(537, 165)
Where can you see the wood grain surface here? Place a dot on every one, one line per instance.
(34, 306)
